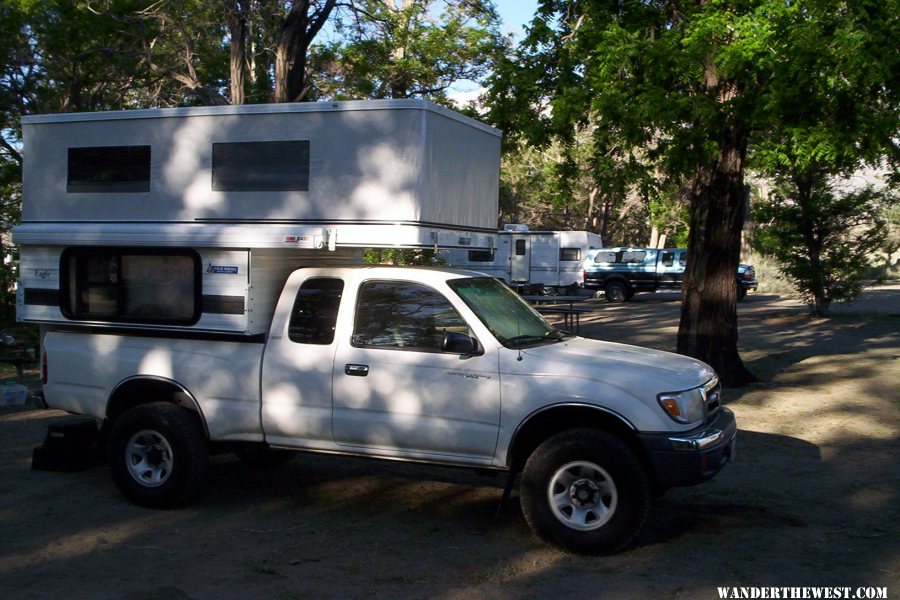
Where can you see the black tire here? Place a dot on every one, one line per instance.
(616, 291)
(602, 490)
(741, 292)
(158, 455)
(260, 455)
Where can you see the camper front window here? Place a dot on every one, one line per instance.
(110, 284)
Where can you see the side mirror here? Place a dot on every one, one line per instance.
(459, 343)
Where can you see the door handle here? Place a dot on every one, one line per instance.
(356, 370)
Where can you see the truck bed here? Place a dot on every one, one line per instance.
(221, 377)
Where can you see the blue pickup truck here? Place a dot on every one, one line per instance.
(622, 272)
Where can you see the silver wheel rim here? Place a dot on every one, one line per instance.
(582, 496)
(148, 458)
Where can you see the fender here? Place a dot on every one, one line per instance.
(564, 406)
(179, 395)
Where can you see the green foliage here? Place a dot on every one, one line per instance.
(826, 240)
(408, 48)
(834, 101)
(556, 188)
(399, 256)
(671, 217)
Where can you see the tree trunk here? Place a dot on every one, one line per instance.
(400, 81)
(237, 25)
(708, 327)
(298, 30)
(813, 241)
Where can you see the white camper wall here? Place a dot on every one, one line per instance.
(37, 291)
(269, 269)
(370, 162)
(239, 287)
(571, 271)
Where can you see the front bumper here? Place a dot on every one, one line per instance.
(694, 456)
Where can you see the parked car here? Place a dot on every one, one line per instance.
(622, 272)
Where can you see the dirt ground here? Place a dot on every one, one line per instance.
(813, 498)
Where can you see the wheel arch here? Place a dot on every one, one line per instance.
(144, 389)
(546, 422)
(619, 279)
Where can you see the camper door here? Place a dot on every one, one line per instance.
(520, 259)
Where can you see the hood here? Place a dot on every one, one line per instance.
(643, 372)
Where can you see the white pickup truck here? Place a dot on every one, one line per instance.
(429, 365)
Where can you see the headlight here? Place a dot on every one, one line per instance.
(683, 407)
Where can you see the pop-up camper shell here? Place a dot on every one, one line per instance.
(523, 257)
(199, 214)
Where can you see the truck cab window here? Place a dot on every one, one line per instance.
(403, 315)
(315, 311)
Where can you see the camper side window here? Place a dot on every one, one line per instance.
(260, 166)
(108, 169)
(481, 256)
(131, 285)
(570, 254)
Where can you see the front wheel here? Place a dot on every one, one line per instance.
(585, 491)
(157, 455)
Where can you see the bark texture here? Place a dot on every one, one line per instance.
(298, 30)
(708, 328)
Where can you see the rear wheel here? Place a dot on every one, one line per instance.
(585, 491)
(158, 455)
(616, 291)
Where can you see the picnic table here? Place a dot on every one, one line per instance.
(552, 305)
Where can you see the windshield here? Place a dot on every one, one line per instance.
(512, 321)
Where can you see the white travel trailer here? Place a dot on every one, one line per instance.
(193, 217)
(523, 257)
